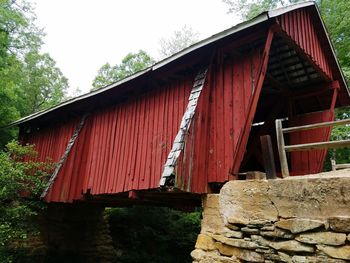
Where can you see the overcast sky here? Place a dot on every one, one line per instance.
(82, 35)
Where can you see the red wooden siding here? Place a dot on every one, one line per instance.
(309, 161)
(124, 146)
(50, 142)
(219, 121)
(233, 87)
(119, 148)
(300, 26)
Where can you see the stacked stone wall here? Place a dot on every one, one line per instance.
(301, 219)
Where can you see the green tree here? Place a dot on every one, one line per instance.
(158, 234)
(247, 9)
(180, 40)
(16, 34)
(22, 180)
(42, 84)
(8, 101)
(336, 15)
(131, 63)
(29, 81)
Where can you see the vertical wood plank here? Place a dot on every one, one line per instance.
(281, 150)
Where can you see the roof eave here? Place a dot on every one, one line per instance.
(235, 29)
(239, 27)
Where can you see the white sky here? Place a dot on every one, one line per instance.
(82, 35)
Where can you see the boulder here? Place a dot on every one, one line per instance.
(246, 202)
(315, 197)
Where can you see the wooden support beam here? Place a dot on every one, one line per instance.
(281, 149)
(336, 88)
(243, 138)
(268, 157)
(64, 156)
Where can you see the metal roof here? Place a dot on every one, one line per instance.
(228, 32)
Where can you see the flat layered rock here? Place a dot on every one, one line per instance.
(342, 252)
(316, 259)
(284, 257)
(240, 243)
(250, 231)
(326, 238)
(340, 224)
(201, 256)
(232, 233)
(260, 240)
(243, 254)
(277, 233)
(298, 225)
(205, 242)
(291, 246)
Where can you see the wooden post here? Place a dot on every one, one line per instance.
(281, 150)
(267, 154)
(333, 163)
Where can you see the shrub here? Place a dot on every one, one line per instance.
(22, 179)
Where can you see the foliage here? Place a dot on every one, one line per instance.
(341, 132)
(18, 33)
(156, 234)
(248, 9)
(22, 179)
(131, 63)
(29, 81)
(180, 40)
(42, 85)
(336, 15)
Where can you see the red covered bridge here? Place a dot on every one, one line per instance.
(193, 121)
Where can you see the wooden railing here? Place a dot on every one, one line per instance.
(340, 166)
(283, 149)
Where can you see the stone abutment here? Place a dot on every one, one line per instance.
(299, 219)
